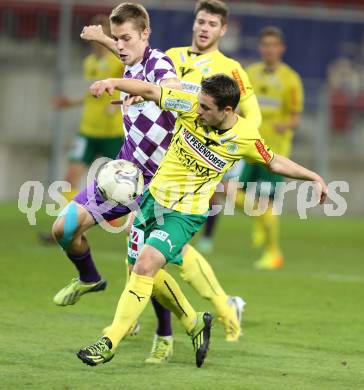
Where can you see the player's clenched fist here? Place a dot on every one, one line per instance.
(99, 87)
(321, 190)
(92, 33)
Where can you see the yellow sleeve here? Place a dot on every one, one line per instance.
(169, 53)
(241, 77)
(295, 95)
(173, 55)
(250, 110)
(258, 152)
(184, 103)
(248, 105)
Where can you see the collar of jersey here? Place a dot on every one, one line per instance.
(271, 71)
(189, 52)
(139, 65)
(228, 135)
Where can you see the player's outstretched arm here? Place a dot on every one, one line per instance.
(95, 33)
(147, 91)
(286, 167)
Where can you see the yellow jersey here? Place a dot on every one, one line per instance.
(99, 118)
(279, 94)
(192, 68)
(199, 155)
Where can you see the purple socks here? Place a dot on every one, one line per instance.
(210, 225)
(164, 319)
(86, 267)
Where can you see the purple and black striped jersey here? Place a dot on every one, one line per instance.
(148, 129)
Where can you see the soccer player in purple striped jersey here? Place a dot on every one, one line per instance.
(148, 132)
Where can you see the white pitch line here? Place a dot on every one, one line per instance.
(346, 278)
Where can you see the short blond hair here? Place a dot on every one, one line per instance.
(129, 12)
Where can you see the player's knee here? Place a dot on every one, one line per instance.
(143, 266)
(65, 227)
(149, 262)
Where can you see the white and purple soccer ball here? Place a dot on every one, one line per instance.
(120, 181)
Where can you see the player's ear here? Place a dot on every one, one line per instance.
(223, 30)
(228, 110)
(146, 34)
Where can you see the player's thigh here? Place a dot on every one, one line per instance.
(83, 149)
(174, 233)
(110, 147)
(91, 199)
(72, 222)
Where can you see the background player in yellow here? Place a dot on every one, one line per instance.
(203, 59)
(101, 132)
(209, 138)
(280, 95)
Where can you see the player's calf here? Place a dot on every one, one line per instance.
(67, 230)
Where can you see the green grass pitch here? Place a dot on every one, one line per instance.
(303, 327)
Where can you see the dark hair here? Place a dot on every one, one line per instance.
(272, 31)
(135, 13)
(215, 7)
(103, 20)
(223, 89)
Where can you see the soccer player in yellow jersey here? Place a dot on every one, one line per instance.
(194, 63)
(280, 95)
(209, 138)
(210, 25)
(203, 59)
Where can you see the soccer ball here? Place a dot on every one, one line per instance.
(120, 181)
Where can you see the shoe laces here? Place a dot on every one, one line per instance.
(98, 348)
(159, 347)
